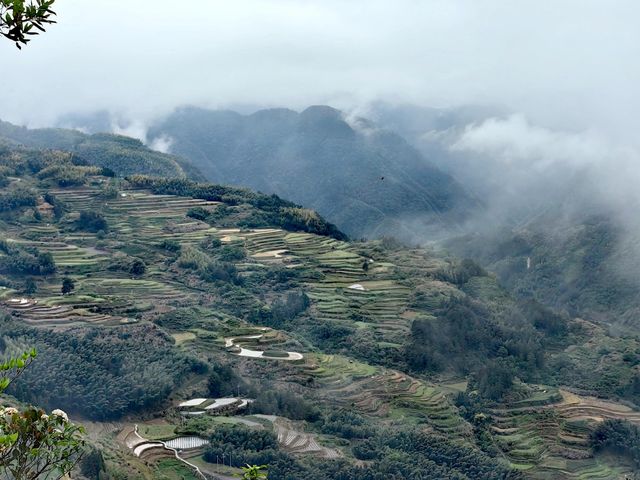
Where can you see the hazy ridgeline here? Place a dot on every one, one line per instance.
(558, 219)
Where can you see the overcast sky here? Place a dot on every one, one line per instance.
(563, 63)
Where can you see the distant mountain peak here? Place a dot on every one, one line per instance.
(325, 160)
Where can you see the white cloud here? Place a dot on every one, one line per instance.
(135, 129)
(535, 165)
(562, 63)
(515, 141)
(162, 144)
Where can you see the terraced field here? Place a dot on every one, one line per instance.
(386, 393)
(547, 436)
(66, 255)
(544, 436)
(96, 301)
(238, 346)
(380, 302)
(103, 297)
(139, 215)
(213, 406)
(60, 316)
(136, 216)
(158, 451)
(294, 440)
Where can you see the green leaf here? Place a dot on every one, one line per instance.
(4, 383)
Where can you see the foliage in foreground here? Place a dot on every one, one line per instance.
(19, 19)
(33, 444)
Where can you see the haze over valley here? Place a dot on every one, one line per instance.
(332, 240)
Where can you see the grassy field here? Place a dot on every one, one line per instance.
(157, 432)
(172, 469)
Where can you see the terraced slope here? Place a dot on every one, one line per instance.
(385, 393)
(344, 287)
(137, 216)
(357, 285)
(156, 451)
(296, 441)
(547, 436)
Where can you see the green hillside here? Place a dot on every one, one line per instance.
(122, 155)
(363, 360)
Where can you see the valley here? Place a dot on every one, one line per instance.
(324, 336)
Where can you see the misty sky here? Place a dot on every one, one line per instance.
(571, 64)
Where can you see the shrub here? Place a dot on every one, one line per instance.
(192, 258)
(68, 285)
(294, 304)
(239, 443)
(619, 436)
(224, 381)
(170, 245)
(286, 404)
(137, 267)
(91, 221)
(199, 213)
(347, 424)
(544, 318)
(211, 244)
(17, 198)
(30, 287)
(495, 380)
(20, 261)
(232, 253)
(461, 272)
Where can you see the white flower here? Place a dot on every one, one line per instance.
(61, 414)
(44, 416)
(9, 411)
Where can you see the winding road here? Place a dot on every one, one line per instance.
(245, 352)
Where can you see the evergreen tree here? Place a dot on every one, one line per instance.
(68, 285)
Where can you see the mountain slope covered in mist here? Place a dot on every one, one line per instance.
(559, 223)
(519, 169)
(587, 267)
(368, 181)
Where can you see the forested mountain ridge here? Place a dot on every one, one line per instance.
(123, 155)
(376, 360)
(368, 181)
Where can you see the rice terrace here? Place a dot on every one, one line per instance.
(309, 334)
